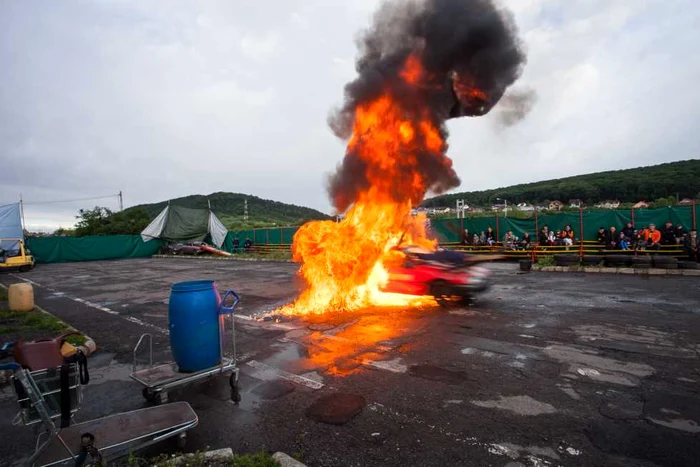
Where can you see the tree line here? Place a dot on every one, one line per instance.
(663, 183)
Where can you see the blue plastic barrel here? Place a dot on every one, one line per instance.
(193, 315)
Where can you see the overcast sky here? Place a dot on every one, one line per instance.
(163, 99)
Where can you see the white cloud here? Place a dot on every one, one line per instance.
(260, 48)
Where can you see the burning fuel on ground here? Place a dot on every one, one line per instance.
(420, 63)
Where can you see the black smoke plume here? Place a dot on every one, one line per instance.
(470, 53)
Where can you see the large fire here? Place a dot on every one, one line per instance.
(344, 264)
(420, 64)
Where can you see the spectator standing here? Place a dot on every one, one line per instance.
(668, 234)
(651, 238)
(247, 245)
(680, 234)
(236, 244)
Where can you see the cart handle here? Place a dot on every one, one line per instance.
(10, 366)
(225, 310)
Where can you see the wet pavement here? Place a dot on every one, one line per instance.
(544, 369)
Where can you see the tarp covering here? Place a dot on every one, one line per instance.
(450, 230)
(67, 249)
(180, 224)
(10, 221)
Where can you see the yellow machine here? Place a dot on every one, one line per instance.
(15, 255)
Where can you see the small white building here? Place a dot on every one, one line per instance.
(608, 204)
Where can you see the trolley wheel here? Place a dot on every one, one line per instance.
(147, 394)
(235, 391)
(181, 440)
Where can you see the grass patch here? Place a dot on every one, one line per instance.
(197, 459)
(546, 260)
(34, 322)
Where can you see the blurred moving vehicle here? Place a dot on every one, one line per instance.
(15, 255)
(451, 277)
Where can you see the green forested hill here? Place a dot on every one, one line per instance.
(673, 179)
(229, 208)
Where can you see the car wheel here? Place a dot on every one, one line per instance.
(24, 268)
(442, 293)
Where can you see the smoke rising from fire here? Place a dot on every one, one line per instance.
(467, 55)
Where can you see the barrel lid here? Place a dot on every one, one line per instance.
(193, 286)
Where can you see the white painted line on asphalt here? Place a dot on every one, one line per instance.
(395, 365)
(268, 373)
(145, 324)
(259, 322)
(100, 307)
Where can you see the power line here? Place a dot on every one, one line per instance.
(72, 200)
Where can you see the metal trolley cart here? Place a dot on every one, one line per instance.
(158, 380)
(109, 437)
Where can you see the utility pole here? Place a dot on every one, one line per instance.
(245, 210)
(461, 207)
(209, 203)
(121, 202)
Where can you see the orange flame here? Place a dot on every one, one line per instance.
(344, 265)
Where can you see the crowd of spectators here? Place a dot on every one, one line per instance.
(628, 238)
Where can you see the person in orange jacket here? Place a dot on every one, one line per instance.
(567, 236)
(651, 238)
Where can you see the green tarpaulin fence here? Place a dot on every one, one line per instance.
(67, 249)
(450, 230)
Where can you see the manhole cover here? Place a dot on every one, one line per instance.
(336, 409)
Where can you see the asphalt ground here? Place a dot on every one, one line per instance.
(544, 369)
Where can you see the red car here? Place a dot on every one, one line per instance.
(449, 276)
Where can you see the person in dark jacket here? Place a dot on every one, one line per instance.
(602, 237)
(248, 244)
(680, 233)
(628, 231)
(490, 236)
(525, 242)
(236, 244)
(668, 234)
(543, 238)
(467, 238)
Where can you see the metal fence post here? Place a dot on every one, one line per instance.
(632, 216)
(497, 235)
(580, 216)
(694, 216)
